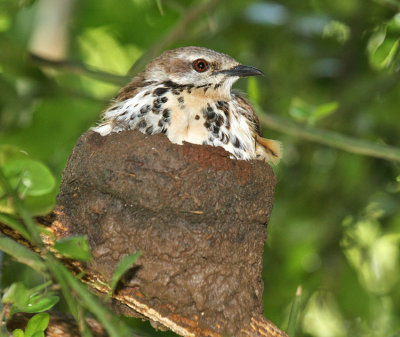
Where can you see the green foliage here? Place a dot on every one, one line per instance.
(383, 45)
(29, 300)
(35, 327)
(31, 179)
(76, 248)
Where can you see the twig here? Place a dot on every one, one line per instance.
(330, 138)
(80, 69)
(174, 34)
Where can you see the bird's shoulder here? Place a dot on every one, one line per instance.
(137, 84)
(247, 110)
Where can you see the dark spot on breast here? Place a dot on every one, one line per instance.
(166, 113)
(215, 129)
(164, 99)
(142, 124)
(224, 138)
(197, 117)
(217, 86)
(144, 109)
(207, 124)
(136, 105)
(146, 93)
(160, 123)
(149, 130)
(236, 142)
(124, 113)
(157, 105)
(224, 106)
(114, 108)
(160, 91)
(220, 120)
(181, 100)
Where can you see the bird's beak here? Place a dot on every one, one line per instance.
(242, 71)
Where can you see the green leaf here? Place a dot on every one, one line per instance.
(37, 323)
(32, 180)
(14, 224)
(38, 334)
(376, 40)
(253, 89)
(22, 254)
(323, 111)
(35, 304)
(384, 55)
(76, 247)
(18, 333)
(31, 176)
(125, 264)
(16, 293)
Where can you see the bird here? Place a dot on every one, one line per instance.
(186, 93)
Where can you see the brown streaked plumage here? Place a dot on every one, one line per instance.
(186, 94)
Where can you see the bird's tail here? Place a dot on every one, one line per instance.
(270, 150)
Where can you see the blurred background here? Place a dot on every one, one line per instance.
(332, 76)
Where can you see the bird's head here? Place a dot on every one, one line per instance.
(199, 67)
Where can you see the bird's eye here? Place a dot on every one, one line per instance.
(200, 65)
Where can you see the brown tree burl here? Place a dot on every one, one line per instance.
(198, 216)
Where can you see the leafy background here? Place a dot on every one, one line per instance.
(329, 65)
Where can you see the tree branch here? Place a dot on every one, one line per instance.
(330, 138)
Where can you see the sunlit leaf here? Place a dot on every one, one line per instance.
(38, 334)
(76, 247)
(126, 263)
(18, 333)
(376, 40)
(385, 53)
(37, 323)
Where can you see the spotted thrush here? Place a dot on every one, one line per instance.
(186, 94)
